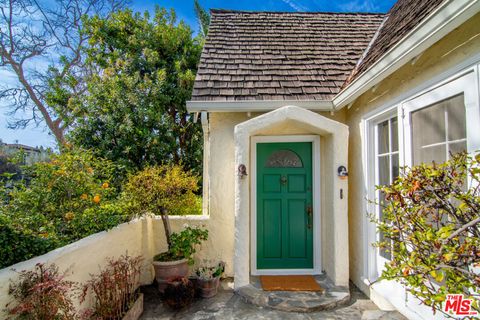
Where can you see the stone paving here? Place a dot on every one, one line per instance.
(227, 305)
(332, 297)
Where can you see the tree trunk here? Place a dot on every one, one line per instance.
(166, 225)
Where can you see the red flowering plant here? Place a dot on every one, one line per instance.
(114, 289)
(430, 225)
(41, 294)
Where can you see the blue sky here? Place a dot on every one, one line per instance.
(36, 136)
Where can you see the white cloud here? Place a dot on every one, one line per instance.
(295, 5)
(360, 6)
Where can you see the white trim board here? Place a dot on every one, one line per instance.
(257, 105)
(316, 198)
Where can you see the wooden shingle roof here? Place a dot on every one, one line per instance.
(280, 55)
(403, 17)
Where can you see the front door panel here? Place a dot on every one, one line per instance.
(284, 206)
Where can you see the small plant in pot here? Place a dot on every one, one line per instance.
(161, 190)
(208, 278)
(179, 293)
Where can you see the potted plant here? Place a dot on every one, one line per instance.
(208, 278)
(179, 293)
(161, 190)
(115, 291)
(174, 262)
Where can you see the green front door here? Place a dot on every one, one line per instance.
(284, 205)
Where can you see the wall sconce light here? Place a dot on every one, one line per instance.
(242, 171)
(342, 172)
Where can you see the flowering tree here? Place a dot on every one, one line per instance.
(431, 217)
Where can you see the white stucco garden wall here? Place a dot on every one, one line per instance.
(144, 236)
(456, 48)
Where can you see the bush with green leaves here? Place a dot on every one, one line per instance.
(167, 187)
(431, 217)
(66, 199)
(164, 190)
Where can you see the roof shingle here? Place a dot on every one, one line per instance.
(280, 55)
(403, 17)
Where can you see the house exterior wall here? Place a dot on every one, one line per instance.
(460, 45)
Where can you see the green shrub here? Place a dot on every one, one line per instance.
(431, 227)
(18, 242)
(167, 187)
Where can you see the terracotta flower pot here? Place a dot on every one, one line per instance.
(136, 310)
(208, 288)
(179, 293)
(167, 270)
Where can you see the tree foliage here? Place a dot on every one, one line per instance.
(431, 227)
(41, 46)
(135, 112)
(65, 200)
(203, 17)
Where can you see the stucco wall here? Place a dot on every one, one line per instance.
(460, 44)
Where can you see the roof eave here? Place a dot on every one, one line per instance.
(257, 105)
(438, 24)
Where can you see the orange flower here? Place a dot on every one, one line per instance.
(84, 196)
(96, 199)
(44, 234)
(105, 185)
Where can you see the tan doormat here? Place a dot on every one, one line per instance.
(290, 283)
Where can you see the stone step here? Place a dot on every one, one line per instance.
(295, 301)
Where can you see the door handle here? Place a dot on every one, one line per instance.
(309, 216)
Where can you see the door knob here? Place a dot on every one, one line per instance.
(283, 180)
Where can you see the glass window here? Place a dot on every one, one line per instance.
(439, 130)
(387, 160)
(284, 159)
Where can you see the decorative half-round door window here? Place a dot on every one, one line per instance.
(284, 159)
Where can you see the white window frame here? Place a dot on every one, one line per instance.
(385, 117)
(462, 85)
(464, 82)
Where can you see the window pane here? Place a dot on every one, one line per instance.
(429, 154)
(428, 126)
(457, 128)
(383, 170)
(457, 147)
(395, 166)
(394, 133)
(383, 137)
(284, 159)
